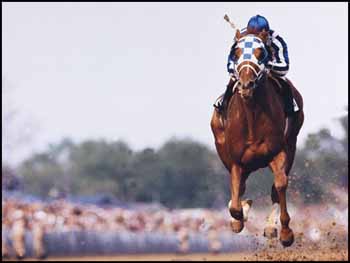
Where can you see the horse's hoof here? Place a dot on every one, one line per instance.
(236, 214)
(248, 201)
(246, 205)
(236, 225)
(270, 232)
(287, 237)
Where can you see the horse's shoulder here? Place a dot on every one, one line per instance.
(276, 85)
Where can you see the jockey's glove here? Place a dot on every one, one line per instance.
(269, 65)
(233, 76)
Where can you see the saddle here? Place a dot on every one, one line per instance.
(285, 90)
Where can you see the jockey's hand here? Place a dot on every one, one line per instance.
(269, 65)
(233, 76)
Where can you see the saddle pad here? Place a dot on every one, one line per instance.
(295, 104)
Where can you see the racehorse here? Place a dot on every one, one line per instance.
(251, 135)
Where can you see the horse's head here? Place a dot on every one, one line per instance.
(250, 58)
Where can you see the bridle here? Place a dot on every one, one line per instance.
(248, 44)
(258, 73)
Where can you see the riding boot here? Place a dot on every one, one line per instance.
(288, 107)
(288, 128)
(288, 100)
(227, 95)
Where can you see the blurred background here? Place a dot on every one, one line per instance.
(106, 134)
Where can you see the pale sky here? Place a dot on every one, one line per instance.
(144, 72)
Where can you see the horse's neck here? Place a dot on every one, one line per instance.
(261, 101)
(264, 103)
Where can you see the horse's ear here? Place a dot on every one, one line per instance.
(263, 35)
(238, 35)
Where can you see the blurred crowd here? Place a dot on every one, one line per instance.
(20, 217)
(62, 216)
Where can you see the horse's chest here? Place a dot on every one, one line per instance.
(253, 139)
(254, 154)
(258, 152)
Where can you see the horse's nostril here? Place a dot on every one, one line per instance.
(248, 86)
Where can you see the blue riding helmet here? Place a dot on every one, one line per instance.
(257, 24)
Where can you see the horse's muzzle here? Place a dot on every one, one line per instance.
(245, 93)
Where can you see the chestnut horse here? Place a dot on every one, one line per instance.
(251, 135)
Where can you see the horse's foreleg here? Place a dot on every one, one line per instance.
(235, 206)
(246, 204)
(270, 230)
(278, 167)
(218, 129)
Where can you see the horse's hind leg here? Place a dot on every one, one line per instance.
(278, 167)
(270, 230)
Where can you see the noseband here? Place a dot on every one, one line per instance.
(258, 74)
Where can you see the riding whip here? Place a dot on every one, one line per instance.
(228, 20)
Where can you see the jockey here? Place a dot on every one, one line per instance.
(278, 62)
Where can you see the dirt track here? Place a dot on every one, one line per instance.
(320, 233)
(328, 242)
(334, 246)
(288, 255)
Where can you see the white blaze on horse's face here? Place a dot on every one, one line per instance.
(248, 45)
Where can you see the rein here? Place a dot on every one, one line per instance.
(251, 67)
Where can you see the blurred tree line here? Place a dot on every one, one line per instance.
(181, 173)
